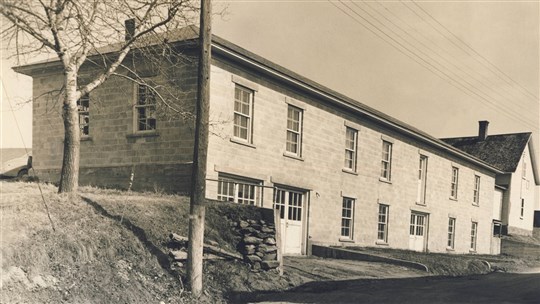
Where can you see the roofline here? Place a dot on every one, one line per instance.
(243, 56)
(237, 53)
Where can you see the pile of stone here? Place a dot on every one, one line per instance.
(258, 244)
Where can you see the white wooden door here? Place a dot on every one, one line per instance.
(417, 232)
(290, 204)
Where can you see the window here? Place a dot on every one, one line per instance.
(422, 178)
(145, 109)
(239, 190)
(294, 130)
(522, 212)
(474, 231)
(386, 163)
(382, 226)
(454, 185)
(476, 192)
(243, 112)
(351, 136)
(451, 232)
(289, 204)
(347, 218)
(83, 107)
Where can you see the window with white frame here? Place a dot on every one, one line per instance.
(382, 225)
(476, 191)
(422, 180)
(474, 233)
(239, 190)
(451, 232)
(351, 137)
(243, 113)
(294, 130)
(83, 107)
(145, 109)
(386, 162)
(347, 218)
(522, 212)
(454, 183)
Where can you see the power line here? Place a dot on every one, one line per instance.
(494, 86)
(423, 62)
(26, 150)
(434, 61)
(500, 72)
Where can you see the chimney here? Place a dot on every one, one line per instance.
(130, 28)
(482, 130)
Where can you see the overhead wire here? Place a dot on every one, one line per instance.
(433, 60)
(459, 64)
(26, 150)
(496, 70)
(422, 61)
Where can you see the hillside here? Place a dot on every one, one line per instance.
(108, 247)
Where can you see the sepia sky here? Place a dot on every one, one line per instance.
(440, 66)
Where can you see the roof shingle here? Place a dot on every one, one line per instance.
(503, 151)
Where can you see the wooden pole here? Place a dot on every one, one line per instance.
(198, 176)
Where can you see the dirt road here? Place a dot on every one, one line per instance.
(491, 288)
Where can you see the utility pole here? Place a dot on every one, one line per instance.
(200, 151)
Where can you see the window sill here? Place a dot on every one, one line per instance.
(476, 204)
(381, 243)
(421, 204)
(242, 142)
(86, 138)
(143, 134)
(472, 251)
(384, 180)
(450, 249)
(346, 240)
(453, 198)
(293, 156)
(349, 171)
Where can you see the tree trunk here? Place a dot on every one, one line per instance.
(198, 183)
(69, 177)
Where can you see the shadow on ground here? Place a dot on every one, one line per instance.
(163, 259)
(491, 288)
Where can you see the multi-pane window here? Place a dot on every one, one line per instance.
(294, 130)
(451, 232)
(289, 204)
(386, 162)
(522, 212)
(417, 224)
(422, 179)
(351, 136)
(454, 184)
(476, 191)
(347, 218)
(382, 225)
(474, 232)
(145, 109)
(83, 107)
(239, 190)
(243, 110)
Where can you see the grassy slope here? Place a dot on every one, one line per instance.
(109, 247)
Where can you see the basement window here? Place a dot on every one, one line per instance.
(239, 190)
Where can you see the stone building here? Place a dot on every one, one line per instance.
(340, 172)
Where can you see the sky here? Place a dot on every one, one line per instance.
(440, 66)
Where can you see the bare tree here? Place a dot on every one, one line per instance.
(82, 32)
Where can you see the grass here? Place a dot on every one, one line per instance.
(110, 246)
